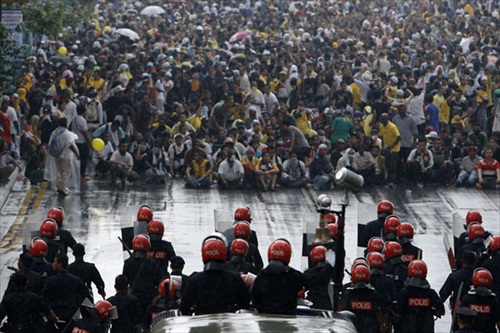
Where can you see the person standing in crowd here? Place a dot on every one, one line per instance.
(391, 139)
(65, 141)
(80, 128)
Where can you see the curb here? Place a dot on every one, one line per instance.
(7, 188)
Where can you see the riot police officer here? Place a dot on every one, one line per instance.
(142, 272)
(63, 237)
(394, 266)
(237, 263)
(417, 303)
(405, 237)
(161, 251)
(127, 306)
(96, 319)
(374, 228)
(214, 290)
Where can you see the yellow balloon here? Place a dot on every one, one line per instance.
(63, 51)
(98, 144)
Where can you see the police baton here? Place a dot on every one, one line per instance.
(125, 246)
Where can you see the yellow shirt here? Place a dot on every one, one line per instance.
(253, 164)
(356, 93)
(389, 133)
(200, 169)
(195, 121)
(303, 122)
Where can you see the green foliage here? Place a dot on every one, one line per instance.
(49, 17)
(11, 57)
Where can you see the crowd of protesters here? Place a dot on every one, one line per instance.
(266, 94)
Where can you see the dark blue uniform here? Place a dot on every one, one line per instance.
(410, 253)
(493, 265)
(453, 282)
(214, 291)
(275, 289)
(318, 294)
(416, 307)
(88, 273)
(129, 312)
(161, 251)
(486, 305)
(372, 229)
(384, 285)
(367, 305)
(24, 311)
(396, 269)
(239, 265)
(143, 275)
(64, 293)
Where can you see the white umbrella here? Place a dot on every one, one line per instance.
(152, 10)
(127, 33)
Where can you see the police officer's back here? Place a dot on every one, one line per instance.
(364, 301)
(481, 300)
(86, 271)
(242, 214)
(405, 237)
(374, 228)
(275, 288)
(63, 237)
(38, 250)
(127, 306)
(242, 230)
(35, 280)
(167, 299)
(214, 290)
(318, 294)
(24, 309)
(493, 265)
(417, 303)
(63, 291)
(142, 273)
(237, 263)
(176, 266)
(475, 244)
(394, 266)
(461, 277)
(383, 284)
(161, 250)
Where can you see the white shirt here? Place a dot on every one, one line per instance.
(271, 101)
(70, 111)
(126, 159)
(11, 112)
(105, 153)
(229, 173)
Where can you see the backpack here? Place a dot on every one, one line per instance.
(55, 147)
(92, 111)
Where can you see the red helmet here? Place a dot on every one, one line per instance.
(417, 268)
(239, 247)
(213, 249)
(330, 218)
(145, 213)
(393, 249)
(105, 309)
(482, 277)
(376, 244)
(48, 228)
(156, 229)
(405, 229)
(242, 230)
(333, 230)
(360, 273)
(375, 259)
(391, 224)
(172, 285)
(280, 249)
(242, 214)
(318, 254)
(473, 216)
(57, 214)
(360, 261)
(38, 247)
(495, 243)
(475, 230)
(141, 243)
(385, 206)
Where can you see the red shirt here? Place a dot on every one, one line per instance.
(489, 169)
(5, 135)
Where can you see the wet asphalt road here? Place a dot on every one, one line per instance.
(96, 215)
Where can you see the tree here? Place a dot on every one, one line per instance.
(11, 58)
(51, 16)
